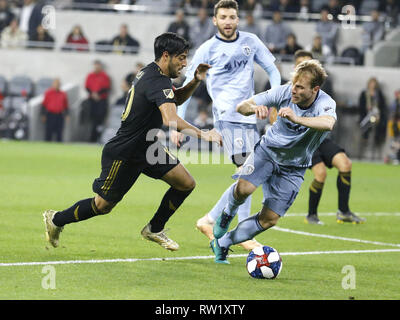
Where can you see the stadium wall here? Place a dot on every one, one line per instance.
(72, 67)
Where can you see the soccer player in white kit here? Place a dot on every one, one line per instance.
(306, 114)
(230, 80)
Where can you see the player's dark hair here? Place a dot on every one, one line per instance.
(226, 4)
(170, 42)
(302, 53)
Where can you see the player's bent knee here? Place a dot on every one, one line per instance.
(319, 173)
(103, 206)
(244, 189)
(268, 218)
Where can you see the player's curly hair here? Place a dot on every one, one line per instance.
(226, 4)
(314, 68)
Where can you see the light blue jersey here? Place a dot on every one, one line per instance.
(291, 144)
(231, 78)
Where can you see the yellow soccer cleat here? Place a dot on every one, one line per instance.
(159, 237)
(52, 231)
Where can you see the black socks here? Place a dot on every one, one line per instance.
(81, 210)
(171, 201)
(343, 185)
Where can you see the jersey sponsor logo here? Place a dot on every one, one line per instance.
(169, 93)
(235, 64)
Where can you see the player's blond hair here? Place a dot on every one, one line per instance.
(314, 69)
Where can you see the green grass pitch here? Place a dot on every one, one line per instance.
(39, 176)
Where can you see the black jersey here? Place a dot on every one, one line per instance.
(150, 89)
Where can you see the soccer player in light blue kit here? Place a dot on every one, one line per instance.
(231, 55)
(306, 114)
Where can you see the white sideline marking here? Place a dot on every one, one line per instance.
(362, 214)
(334, 237)
(15, 264)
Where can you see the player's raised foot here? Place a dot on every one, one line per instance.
(52, 231)
(313, 219)
(250, 244)
(342, 217)
(221, 226)
(159, 237)
(205, 226)
(221, 253)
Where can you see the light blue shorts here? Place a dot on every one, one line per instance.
(238, 139)
(280, 184)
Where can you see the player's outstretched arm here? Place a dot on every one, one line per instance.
(172, 120)
(183, 93)
(323, 123)
(249, 107)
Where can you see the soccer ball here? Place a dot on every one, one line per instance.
(264, 263)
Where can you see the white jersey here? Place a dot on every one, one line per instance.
(288, 143)
(231, 77)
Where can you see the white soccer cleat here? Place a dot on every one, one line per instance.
(160, 238)
(205, 226)
(52, 231)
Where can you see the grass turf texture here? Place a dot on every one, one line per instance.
(39, 176)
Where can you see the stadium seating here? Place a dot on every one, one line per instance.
(20, 86)
(42, 85)
(3, 86)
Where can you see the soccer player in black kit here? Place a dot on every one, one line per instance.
(151, 102)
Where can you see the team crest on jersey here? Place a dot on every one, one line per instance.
(169, 93)
(246, 50)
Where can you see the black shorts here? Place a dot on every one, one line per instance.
(325, 153)
(118, 175)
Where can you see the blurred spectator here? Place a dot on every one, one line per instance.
(41, 39)
(125, 86)
(31, 16)
(393, 155)
(13, 37)
(373, 31)
(391, 9)
(54, 111)
(335, 8)
(6, 15)
(251, 26)
(180, 26)
(98, 85)
(283, 6)
(319, 50)
(202, 29)
(76, 40)
(190, 6)
(124, 43)
(253, 7)
(276, 33)
(203, 120)
(131, 76)
(373, 118)
(291, 45)
(328, 30)
(304, 9)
